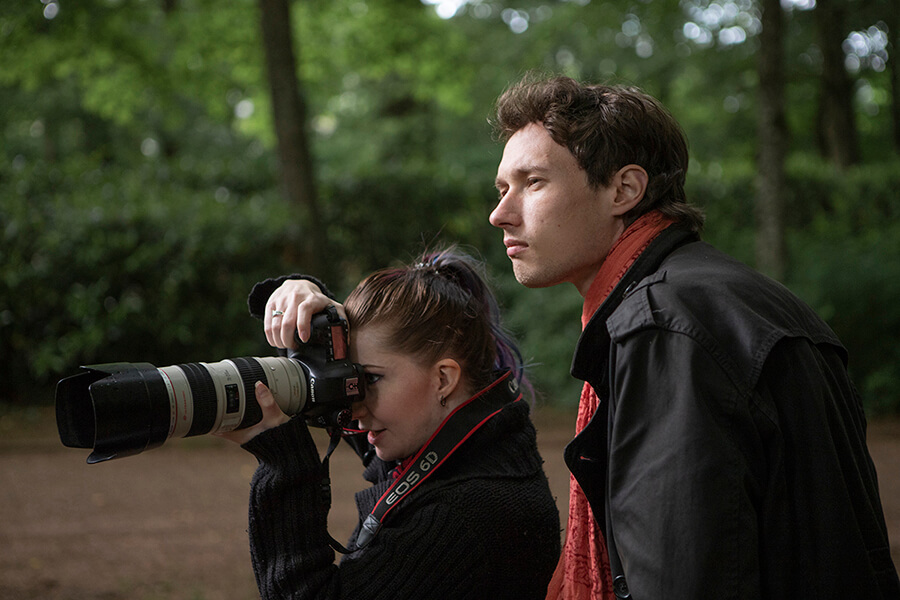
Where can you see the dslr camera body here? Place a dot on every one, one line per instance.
(122, 409)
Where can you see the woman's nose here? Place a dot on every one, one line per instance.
(358, 410)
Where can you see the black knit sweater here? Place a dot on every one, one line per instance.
(483, 526)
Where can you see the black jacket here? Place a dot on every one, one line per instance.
(728, 456)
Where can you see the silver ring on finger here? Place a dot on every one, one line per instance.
(277, 313)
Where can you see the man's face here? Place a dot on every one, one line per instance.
(556, 227)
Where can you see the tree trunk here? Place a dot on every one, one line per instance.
(837, 123)
(771, 143)
(289, 114)
(893, 23)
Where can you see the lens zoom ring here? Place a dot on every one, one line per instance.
(204, 393)
(250, 371)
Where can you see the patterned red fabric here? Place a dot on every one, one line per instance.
(583, 571)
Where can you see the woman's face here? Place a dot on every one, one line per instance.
(402, 407)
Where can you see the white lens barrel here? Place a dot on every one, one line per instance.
(181, 401)
(231, 397)
(231, 400)
(283, 376)
(287, 382)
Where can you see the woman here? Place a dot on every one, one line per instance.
(480, 523)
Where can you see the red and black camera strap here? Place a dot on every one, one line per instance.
(458, 427)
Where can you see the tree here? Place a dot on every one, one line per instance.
(836, 121)
(772, 141)
(893, 22)
(290, 122)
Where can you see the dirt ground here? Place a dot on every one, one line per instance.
(171, 523)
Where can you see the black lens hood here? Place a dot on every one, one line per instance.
(91, 413)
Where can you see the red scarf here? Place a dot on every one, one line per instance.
(583, 571)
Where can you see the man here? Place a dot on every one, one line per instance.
(720, 448)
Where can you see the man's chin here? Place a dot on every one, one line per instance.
(531, 279)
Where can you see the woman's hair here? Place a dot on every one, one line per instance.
(438, 307)
(606, 128)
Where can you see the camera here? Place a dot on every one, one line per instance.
(122, 409)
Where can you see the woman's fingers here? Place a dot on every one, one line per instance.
(290, 310)
(272, 416)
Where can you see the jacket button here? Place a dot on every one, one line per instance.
(620, 587)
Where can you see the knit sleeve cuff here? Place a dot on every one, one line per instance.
(288, 446)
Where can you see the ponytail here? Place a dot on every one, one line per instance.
(440, 306)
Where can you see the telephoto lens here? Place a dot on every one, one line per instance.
(122, 409)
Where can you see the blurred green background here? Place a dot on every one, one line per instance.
(152, 164)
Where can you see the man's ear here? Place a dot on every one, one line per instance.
(630, 183)
(449, 374)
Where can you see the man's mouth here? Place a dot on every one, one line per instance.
(514, 247)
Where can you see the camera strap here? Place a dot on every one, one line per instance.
(459, 426)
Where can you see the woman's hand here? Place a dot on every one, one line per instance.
(272, 416)
(290, 309)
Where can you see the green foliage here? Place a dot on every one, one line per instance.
(365, 219)
(845, 261)
(547, 323)
(140, 197)
(854, 283)
(107, 265)
(844, 242)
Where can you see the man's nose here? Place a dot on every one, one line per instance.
(503, 214)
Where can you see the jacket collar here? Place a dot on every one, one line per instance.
(592, 349)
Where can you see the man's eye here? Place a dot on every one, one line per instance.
(533, 181)
(372, 378)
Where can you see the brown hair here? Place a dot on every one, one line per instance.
(437, 307)
(605, 128)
